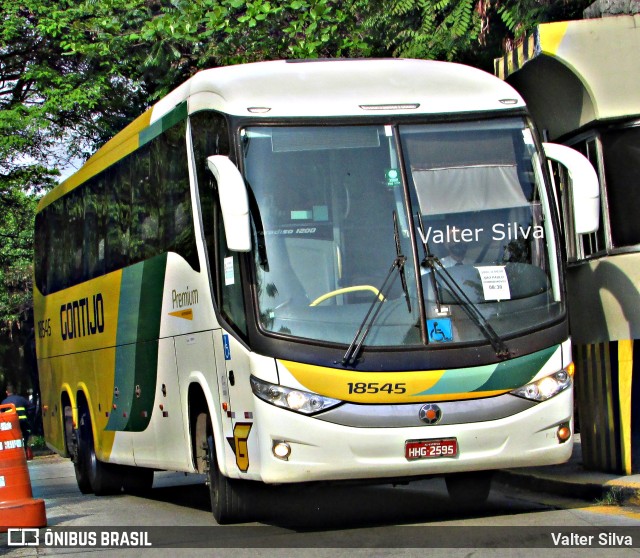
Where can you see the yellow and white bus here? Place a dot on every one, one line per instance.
(298, 271)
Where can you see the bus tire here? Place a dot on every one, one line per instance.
(228, 496)
(101, 477)
(82, 475)
(471, 489)
(72, 437)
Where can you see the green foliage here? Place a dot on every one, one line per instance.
(37, 442)
(184, 36)
(437, 30)
(16, 242)
(521, 16)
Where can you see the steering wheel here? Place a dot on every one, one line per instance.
(346, 290)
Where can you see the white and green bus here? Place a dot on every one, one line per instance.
(298, 271)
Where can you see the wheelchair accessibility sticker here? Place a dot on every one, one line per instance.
(226, 347)
(440, 330)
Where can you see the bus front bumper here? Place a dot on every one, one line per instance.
(322, 451)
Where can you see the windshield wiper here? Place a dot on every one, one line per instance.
(351, 356)
(429, 262)
(401, 257)
(434, 263)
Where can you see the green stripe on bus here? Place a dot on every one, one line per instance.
(178, 114)
(152, 288)
(146, 364)
(123, 388)
(503, 376)
(129, 304)
(139, 315)
(146, 367)
(461, 380)
(518, 372)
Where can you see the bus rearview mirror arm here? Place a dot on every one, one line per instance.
(585, 186)
(234, 202)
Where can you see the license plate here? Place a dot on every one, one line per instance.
(430, 449)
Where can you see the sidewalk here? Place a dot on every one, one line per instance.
(573, 480)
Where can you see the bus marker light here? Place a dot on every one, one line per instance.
(564, 433)
(281, 450)
(399, 106)
(225, 406)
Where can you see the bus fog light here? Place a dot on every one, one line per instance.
(564, 433)
(281, 450)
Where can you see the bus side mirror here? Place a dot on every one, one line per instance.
(585, 187)
(234, 202)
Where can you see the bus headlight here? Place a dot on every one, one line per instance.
(292, 399)
(545, 388)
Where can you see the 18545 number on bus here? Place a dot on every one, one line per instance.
(376, 387)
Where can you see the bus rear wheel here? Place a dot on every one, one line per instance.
(92, 474)
(228, 496)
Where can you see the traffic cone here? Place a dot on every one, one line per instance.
(18, 508)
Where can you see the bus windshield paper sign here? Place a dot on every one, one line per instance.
(229, 277)
(494, 282)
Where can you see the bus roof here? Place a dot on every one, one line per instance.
(327, 88)
(312, 88)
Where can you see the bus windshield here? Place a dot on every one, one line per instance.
(336, 207)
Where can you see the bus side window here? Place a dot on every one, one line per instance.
(74, 206)
(232, 295)
(57, 235)
(144, 218)
(169, 166)
(94, 231)
(210, 136)
(41, 260)
(117, 180)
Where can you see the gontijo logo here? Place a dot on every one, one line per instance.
(82, 317)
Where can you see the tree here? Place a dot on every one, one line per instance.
(468, 31)
(52, 110)
(183, 36)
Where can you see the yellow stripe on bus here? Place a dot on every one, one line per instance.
(69, 314)
(369, 387)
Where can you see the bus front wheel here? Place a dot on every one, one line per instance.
(228, 496)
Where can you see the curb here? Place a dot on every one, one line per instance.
(616, 491)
